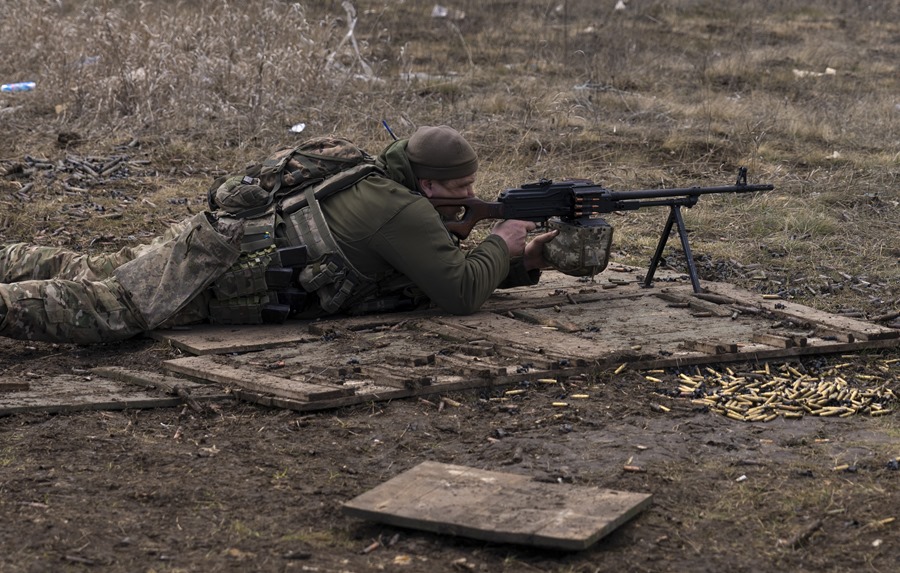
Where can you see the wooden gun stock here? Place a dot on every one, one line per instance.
(468, 212)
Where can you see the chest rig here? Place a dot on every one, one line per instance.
(289, 261)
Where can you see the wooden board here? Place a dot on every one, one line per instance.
(497, 507)
(227, 375)
(72, 393)
(217, 339)
(562, 328)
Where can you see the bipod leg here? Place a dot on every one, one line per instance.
(654, 262)
(682, 232)
(676, 219)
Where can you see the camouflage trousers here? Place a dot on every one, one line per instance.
(57, 295)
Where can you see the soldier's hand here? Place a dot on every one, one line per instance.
(514, 233)
(534, 251)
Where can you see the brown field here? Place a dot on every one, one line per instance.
(139, 105)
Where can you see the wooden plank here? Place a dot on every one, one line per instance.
(694, 303)
(710, 347)
(395, 377)
(205, 339)
(204, 368)
(860, 330)
(497, 507)
(778, 340)
(814, 348)
(169, 384)
(466, 366)
(375, 393)
(14, 385)
(71, 393)
(146, 379)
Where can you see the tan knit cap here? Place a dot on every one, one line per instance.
(440, 153)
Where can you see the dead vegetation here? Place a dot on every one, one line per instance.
(656, 94)
(138, 106)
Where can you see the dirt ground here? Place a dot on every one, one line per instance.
(244, 488)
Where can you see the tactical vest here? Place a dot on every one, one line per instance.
(288, 252)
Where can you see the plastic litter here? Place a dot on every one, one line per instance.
(17, 87)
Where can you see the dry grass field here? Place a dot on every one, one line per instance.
(138, 106)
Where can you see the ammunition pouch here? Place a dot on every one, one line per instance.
(258, 288)
(333, 280)
(581, 248)
(329, 274)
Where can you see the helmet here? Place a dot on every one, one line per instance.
(581, 248)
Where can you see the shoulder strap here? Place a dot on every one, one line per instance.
(330, 186)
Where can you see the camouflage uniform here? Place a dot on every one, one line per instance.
(57, 295)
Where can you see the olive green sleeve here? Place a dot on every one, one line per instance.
(415, 243)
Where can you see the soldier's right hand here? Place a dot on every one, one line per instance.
(514, 233)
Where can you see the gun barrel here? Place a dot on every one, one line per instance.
(685, 191)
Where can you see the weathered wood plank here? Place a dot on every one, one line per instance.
(70, 393)
(694, 302)
(189, 391)
(710, 347)
(497, 507)
(14, 385)
(205, 339)
(372, 392)
(778, 340)
(204, 368)
(860, 330)
(761, 353)
(395, 377)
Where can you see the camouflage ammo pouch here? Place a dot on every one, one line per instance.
(164, 279)
(258, 287)
(581, 248)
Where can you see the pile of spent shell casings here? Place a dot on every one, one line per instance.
(763, 395)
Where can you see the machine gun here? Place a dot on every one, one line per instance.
(577, 200)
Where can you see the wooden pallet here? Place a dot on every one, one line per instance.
(562, 328)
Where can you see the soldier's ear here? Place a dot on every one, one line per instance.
(426, 186)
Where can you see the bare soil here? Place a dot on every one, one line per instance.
(247, 488)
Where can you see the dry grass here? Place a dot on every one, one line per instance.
(660, 94)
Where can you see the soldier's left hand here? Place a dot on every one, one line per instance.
(534, 251)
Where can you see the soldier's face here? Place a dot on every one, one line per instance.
(461, 188)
